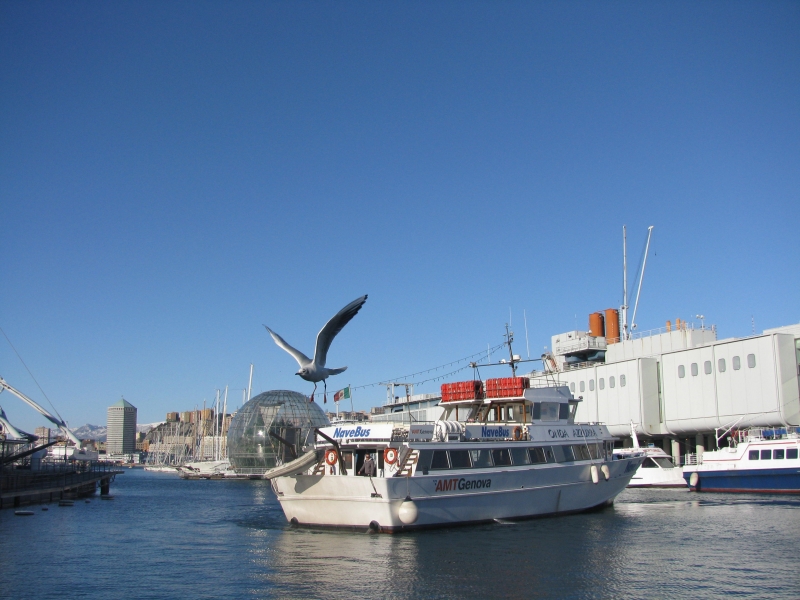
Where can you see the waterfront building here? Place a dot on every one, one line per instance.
(121, 432)
(43, 433)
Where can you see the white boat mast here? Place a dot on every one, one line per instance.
(250, 382)
(641, 277)
(624, 307)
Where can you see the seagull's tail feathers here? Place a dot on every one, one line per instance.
(337, 371)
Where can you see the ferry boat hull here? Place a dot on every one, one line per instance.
(764, 481)
(760, 461)
(448, 499)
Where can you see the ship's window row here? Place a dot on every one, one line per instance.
(612, 382)
(777, 454)
(721, 366)
(442, 460)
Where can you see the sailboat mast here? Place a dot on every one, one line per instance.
(641, 277)
(624, 306)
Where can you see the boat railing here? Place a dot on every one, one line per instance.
(690, 459)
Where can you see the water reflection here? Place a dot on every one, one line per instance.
(652, 543)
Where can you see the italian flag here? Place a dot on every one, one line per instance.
(342, 394)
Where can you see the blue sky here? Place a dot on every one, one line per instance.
(173, 175)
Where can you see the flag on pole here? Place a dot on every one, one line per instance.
(342, 394)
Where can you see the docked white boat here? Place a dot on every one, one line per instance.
(518, 455)
(657, 470)
(758, 460)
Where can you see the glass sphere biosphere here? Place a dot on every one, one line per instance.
(283, 413)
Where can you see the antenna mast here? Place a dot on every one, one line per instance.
(624, 307)
(641, 277)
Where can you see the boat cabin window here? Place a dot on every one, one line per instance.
(501, 456)
(581, 452)
(663, 462)
(649, 463)
(766, 454)
(694, 370)
(595, 450)
(563, 453)
(519, 456)
(737, 364)
(481, 458)
(591, 385)
(563, 411)
(721, 365)
(550, 411)
(778, 454)
(681, 371)
(460, 459)
(537, 455)
(753, 455)
(791, 453)
(583, 386)
(347, 457)
(707, 367)
(536, 411)
(612, 382)
(439, 460)
(622, 381)
(751, 361)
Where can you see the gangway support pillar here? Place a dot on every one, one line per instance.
(105, 486)
(676, 452)
(698, 441)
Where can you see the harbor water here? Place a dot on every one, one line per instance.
(164, 537)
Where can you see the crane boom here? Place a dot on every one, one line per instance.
(55, 420)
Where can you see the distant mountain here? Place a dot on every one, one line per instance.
(99, 432)
(91, 432)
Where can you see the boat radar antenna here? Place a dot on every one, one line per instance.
(512, 359)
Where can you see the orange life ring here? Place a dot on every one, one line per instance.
(517, 434)
(390, 456)
(330, 457)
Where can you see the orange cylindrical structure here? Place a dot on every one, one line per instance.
(612, 326)
(596, 327)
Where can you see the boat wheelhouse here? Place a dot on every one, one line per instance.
(657, 469)
(517, 453)
(758, 460)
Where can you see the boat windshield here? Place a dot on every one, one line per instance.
(654, 462)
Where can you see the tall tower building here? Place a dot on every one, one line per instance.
(121, 433)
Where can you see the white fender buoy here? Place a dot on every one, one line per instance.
(408, 512)
(694, 479)
(606, 472)
(595, 474)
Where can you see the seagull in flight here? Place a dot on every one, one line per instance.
(315, 370)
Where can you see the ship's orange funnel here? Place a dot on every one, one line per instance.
(596, 326)
(612, 326)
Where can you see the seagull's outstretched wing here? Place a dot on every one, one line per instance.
(301, 358)
(334, 326)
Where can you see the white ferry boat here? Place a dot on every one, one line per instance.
(519, 454)
(657, 470)
(758, 460)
